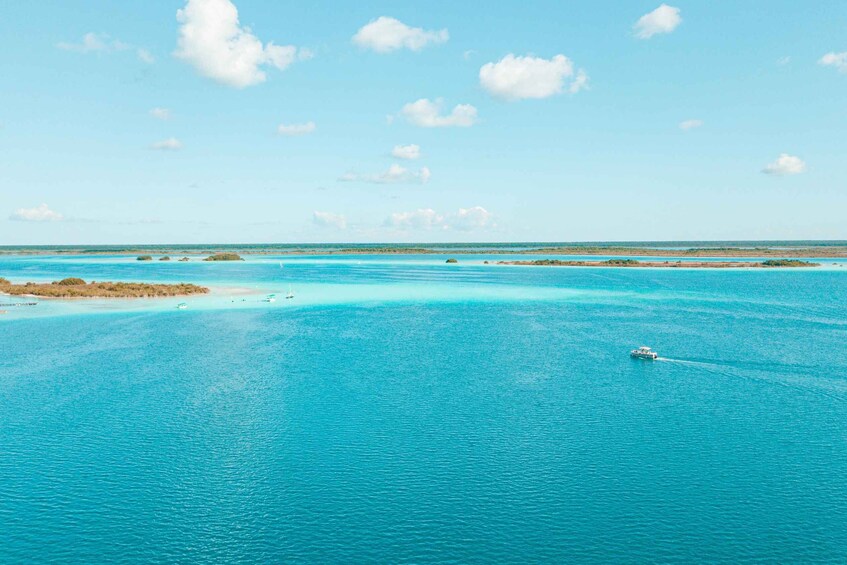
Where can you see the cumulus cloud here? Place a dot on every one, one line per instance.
(424, 218)
(394, 175)
(837, 60)
(466, 219)
(41, 213)
(690, 124)
(160, 113)
(296, 129)
(102, 43)
(213, 42)
(329, 220)
(411, 151)
(170, 144)
(385, 34)
(663, 19)
(427, 114)
(785, 165)
(515, 77)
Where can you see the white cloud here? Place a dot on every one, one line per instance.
(170, 144)
(102, 43)
(466, 219)
(329, 220)
(424, 218)
(837, 60)
(394, 175)
(91, 43)
(160, 113)
(214, 43)
(411, 151)
(514, 77)
(663, 19)
(385, 34)
(785, 165)
(41, 213)
(427, 114)
(690, 124)
(296, 129)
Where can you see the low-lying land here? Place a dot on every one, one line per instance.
(758, 249)
(224, 257)
(78, 288)
(770, 264)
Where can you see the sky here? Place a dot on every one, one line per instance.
(250, 121)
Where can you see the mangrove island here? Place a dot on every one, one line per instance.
(77, 288)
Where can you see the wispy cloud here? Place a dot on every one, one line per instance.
(427, 114)
(170, 144)
(465, 219)
(394, 175)
(408, 152)
(41, 213)
(296, 129)
(329, 219)
(101, 43)
(160, 113)
(837, 60)
(690, 124)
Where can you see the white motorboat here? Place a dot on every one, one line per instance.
(182, 306)
(290, 294)
(644, 352)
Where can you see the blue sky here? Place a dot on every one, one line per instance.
(574, 131)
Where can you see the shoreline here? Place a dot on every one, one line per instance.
(662, 264)
(198, 253)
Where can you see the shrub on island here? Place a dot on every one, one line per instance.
(4, 282)
(787, 263)
(452, 260)
(70, 281)
(621, 262)
(224, 257)
(184, 259)
(165, 258)
(144, 258)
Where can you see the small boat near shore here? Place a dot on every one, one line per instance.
(644, 352)
(182, 306)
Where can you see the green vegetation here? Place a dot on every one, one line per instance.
(452, 260)
(144, 258)
(621, 262)
(787, 263)
(78, 288)
(184, 259)
(165, 258)
(224, 257)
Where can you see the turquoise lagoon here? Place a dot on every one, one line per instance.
(403, 410)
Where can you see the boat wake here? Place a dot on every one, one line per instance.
(829, 388)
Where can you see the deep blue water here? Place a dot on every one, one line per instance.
(402, 410)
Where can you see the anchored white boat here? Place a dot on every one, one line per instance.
(643, 352)
(290, 294)
(270, 298)
(181, 306)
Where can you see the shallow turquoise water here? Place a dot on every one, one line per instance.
(404, 410)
